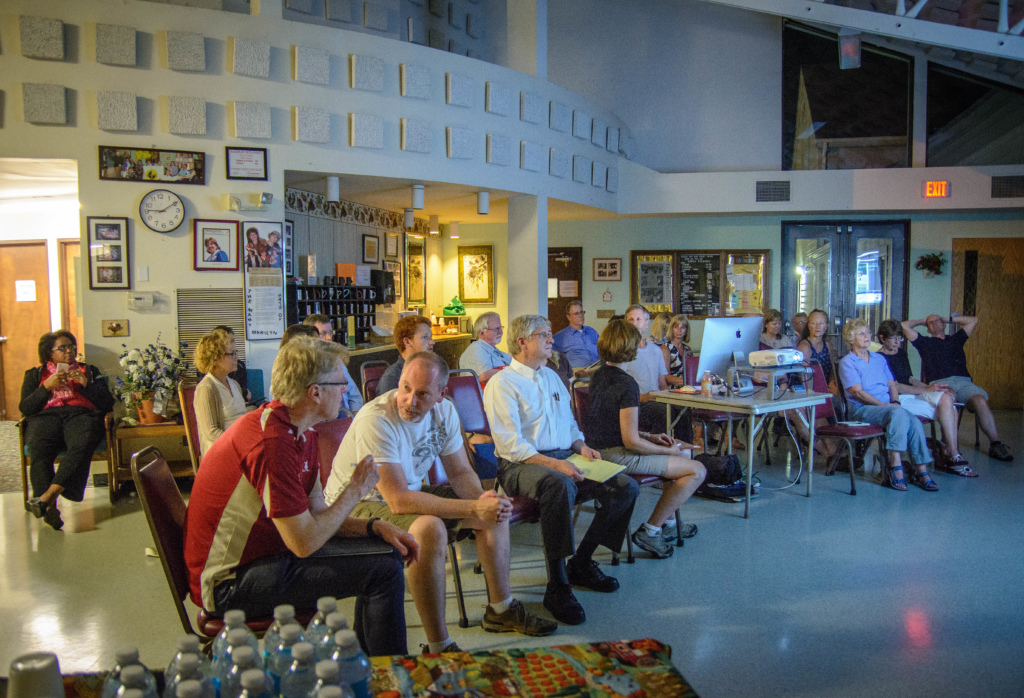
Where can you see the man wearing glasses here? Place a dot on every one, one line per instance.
(483, 355)
(577, 341)
(351, 400)
(534, 434)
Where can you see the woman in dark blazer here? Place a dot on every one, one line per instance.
(63, 402)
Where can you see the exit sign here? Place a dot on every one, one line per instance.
(936, 190)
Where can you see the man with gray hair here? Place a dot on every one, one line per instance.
(404, 431)
(535, 433)
(483, 355)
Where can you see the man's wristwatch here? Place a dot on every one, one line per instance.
(370, 533)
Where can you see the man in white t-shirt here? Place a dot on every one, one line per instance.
(405, 430)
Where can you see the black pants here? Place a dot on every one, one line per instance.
(369, 569)
(73, 431)
(557, 494)
(652, 419)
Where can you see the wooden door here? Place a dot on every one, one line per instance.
(988, 282)
(70, 252)
(22, 322)
(565, 264)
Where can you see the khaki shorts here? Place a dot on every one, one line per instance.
(380, 510)
(636, 464)
(964, 387)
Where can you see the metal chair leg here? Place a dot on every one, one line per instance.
(463, 620)
(853, 468)
(679, 529)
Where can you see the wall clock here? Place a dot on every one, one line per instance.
(162, 210)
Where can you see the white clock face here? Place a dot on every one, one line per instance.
(162, 210)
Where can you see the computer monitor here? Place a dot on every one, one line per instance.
(722, 337)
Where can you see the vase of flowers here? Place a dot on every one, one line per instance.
(151, 376)
(931, 264)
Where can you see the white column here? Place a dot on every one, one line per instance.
(527, 256)
(919, 138)
(528, 37)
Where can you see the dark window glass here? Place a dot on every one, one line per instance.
(836, 119)
(972, 121)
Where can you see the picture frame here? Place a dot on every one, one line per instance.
(608, 269)
(215, 245)
(371, 249)
(260, 245)
(415, 268)
(476, 274)
(391, 244)
(249, 164)
(395, 267)
(149, 165)
(115, 328)
(109, 253)
(289, 248)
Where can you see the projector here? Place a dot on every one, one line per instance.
(775, 357)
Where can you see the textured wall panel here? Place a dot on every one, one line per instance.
(532, 156)
(599, 133)
(311, 125)
(365, 131)
(613, 140)
(42, 37)
(456, 19)
(187, 115)
(499, 150)
(416, 135)
(436, 39)
(44, 104)
(366, 73)
(581, 169)
(613, 179)
(461, 143)
(457, 47)
(474, 25)
(599, 174)
(311, 65)
(252, 120)
(117, 111)
(304, 6)
(498, 99)
(251, 58)
(375, 17)
(458, 90)
(186, 51)
(581, 124)
(417, 30)
(560, 117)
(115, 45)
(560, 164)
(531, 108)
(339, 10)
(438, 8)
(415, 81)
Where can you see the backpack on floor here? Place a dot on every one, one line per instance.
(724, 480)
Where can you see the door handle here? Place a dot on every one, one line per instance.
(3, 340)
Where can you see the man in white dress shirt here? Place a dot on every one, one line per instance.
(534, 433)
(483, 355)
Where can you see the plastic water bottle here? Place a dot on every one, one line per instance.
(243, 659)
(188, 669)
(283, 615)
(353, 667)
(280, 661)
(333, 692)
(125, 657)
(189, 688)
(137, 676)
(233, 620)
(187, 644)
(317, 627)
(301, 676)
(254, 684)
(326, 645)
(327, 677)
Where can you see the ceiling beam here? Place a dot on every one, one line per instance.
(934, 33)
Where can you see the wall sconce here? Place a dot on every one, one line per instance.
(453, 230)
(333, 190)
(435, 226)
(240, 202)
(417, 196)
(410, 219)
(483, 202)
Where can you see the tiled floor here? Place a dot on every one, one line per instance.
(885, 593)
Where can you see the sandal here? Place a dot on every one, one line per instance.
(925, 482)
(959, 466)
(897, 483)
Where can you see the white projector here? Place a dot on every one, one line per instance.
(775, 357)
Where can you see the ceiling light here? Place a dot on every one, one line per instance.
(410, 219)
(435, 226)
(453, 230)
(333, 190)
(417, 196)
(483, 202)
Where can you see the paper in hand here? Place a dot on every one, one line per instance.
(596, 470)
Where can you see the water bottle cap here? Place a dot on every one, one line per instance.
(291, 633)
(188, 663)
(234, 618)
(238, 637)
(330, 692)
(327, 604)
(254, 680)
(348, 645)
(188, 643)
(127, 655)
(327, 670)
(132, 693)
(189, 689)
(303, 651)
(336, 621)
(134, 676)
(284, 612)
(244, 656)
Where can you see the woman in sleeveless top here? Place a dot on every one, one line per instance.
(675, 347)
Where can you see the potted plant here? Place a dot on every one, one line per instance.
(151, 376)
(931, 264)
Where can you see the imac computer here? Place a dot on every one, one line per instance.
(722, 337)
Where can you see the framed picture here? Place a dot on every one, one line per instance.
(608, 269)
(261, 244)
(115, 328)
(109, 259)
(149, 165)
(476, 274)
(371, 249)
(391, 245)
(289, 249)
(246, 163)
(396, 269)
(415, 266)
(215, 245)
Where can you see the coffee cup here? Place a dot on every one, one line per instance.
(35, 675)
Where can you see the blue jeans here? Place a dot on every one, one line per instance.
(903, 431)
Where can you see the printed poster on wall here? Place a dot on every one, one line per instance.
(264, 303)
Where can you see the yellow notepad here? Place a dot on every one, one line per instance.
(596, 470)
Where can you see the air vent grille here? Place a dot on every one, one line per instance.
(772, 190)
(1008, 187)
(202, 309)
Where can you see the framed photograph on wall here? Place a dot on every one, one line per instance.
(608, 269)
(152, 165)
(109, 259)
(261, 244)
(246, 163)
(396, 269)
(391, 244)
(371, 249)
(289, 248)
(476, 274)
(214, 245)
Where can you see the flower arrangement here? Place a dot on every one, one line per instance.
(150, 373)
(931, 263)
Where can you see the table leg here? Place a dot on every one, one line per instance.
(751, 425)
(810, 449)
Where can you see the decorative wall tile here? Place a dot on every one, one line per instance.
(599, 133)
(366, 73)
(599, 174)
(186, 51)
(117, 111)
(499, 150)
(461, 143)
(44, 104)
(187, 115)
(375, 16)
(304, 6)
(365, 131)
(417, 31)
(559, 164)
(339, 10)
(456, 19)
(458, 90)
(531, 108)
(581, 124)
(613, 140)
(416, 135)
(42, 37)
(415, 81)
(435, 39)
(115, 45)
(252, 120)
(474, 25)
(531, 156)
(418, 3)
(311, 125)
(456, 47)
(311, 65)
(251, 58)
(613, 179)
(438, 8)
(581, 170)
(560, 117)
(498, 98)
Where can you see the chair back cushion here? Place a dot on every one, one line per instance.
(330, 434)
(436, 475)
(690, 364)
(369, 374)
(254, 383)
(464, 391)
(165, 511)
(186, 396)
(824, 410)
(581, 404)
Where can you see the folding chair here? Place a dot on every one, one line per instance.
(464, 392)
(102, 453)
(960, 409)
(705, 416)
(186, 396)
(844, 432)
(369, 375)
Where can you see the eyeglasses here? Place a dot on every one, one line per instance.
(345, 383)
(327, 335)
(581, 312)
(545, 336)
(65, 347)
(499, 328)
(899, 339)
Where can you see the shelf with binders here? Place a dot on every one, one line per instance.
(338, 303)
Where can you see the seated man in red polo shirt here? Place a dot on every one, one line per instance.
(258, 532)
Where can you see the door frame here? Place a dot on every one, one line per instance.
(5, 410)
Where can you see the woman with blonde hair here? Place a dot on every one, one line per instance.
(219, 401)
(677, 334)
(659, 327)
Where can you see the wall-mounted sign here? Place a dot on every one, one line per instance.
(936, 190)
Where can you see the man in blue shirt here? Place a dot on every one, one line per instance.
(578, 341)
(483, 355)
(351, 400)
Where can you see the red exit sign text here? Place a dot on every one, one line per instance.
(936, 190)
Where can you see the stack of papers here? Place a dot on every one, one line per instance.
(596, 470)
